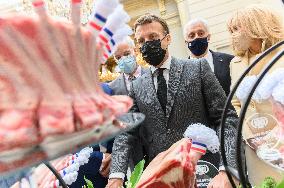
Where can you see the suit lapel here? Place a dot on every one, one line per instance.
(173, 85)
(150, 91)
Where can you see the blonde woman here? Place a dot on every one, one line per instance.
(253, 30)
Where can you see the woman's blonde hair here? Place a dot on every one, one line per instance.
(258, 22)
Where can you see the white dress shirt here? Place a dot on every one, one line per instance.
(166, 65)
(209, 59)
(136, 74)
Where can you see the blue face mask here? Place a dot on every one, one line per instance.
(127, 64)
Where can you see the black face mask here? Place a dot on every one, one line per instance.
(198, 46)
(152, 52)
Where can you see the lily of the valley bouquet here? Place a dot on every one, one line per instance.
(270, 92)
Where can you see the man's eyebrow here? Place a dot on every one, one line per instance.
(153, 33)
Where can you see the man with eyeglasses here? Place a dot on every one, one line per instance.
(197, 35)
(172, 94)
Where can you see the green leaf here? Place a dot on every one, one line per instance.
(136, 174)
(89, 183)
(268, 182)
(280, 185)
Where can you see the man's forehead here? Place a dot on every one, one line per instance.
(148, 29)
(122, 47)
(196, 27)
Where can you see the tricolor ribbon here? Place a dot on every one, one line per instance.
(198, 147)
(97, 22)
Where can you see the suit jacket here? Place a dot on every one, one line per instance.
(194, 96)
(119, 87)
(221, 63)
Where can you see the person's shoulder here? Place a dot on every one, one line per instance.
(139, 80)
(185, 61)
(190, 65)
(223, 55)
(144, 70)
(236, 59)
(118, 79)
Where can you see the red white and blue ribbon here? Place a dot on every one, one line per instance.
(199, 147)
(97, 22)
(118, 37)
(203, 138)
(115, 21)
(101, 11)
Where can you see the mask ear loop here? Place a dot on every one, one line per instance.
(163, 38)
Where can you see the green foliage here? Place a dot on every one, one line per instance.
(134, 178)
(281, 184)
(268, 182)
(136, 175)
(89, 183)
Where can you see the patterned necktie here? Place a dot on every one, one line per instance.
(162, 89)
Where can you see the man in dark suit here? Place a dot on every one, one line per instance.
(173, 94)
(197, 36)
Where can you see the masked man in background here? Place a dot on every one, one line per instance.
(130, 70)
(197, 36)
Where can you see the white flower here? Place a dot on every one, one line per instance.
(202, 134)
(245, 87)
(264, 89)
(269, 82)
(278, 92)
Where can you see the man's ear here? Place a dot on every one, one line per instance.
(209, 37)
(168, 40)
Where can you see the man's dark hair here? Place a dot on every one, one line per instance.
(150, 18)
